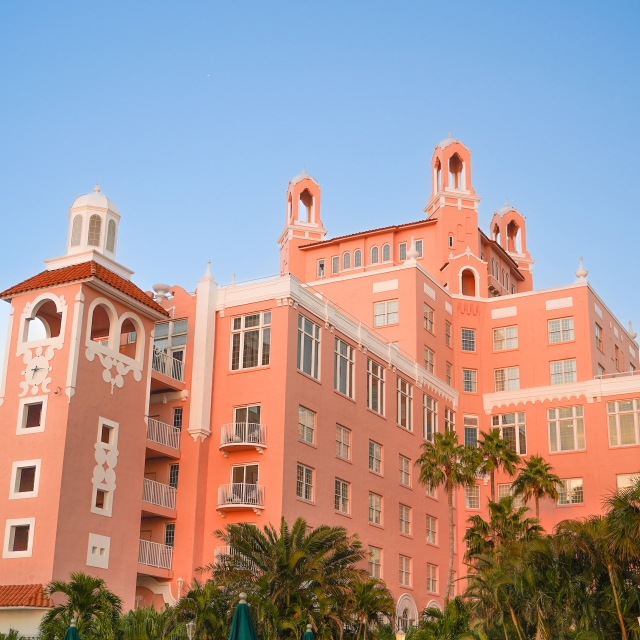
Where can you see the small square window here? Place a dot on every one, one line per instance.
(102, 498)
(25, 477)
(32, 415)
(18, 538)
(106, 434)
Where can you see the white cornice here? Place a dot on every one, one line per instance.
(87, 256)
(591, 390)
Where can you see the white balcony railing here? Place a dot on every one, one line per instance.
(159, 494)
(243, 435)
(163, 433)
(241, 495)
(155, 555)
(225, 550)
(168, 365)
(617, 374)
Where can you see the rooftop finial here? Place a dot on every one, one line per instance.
(450, 134)
(632, 334)
(581, 273)
(208, 276)
(412, 254)
(96, 189)
(304, 169)
(506, 202)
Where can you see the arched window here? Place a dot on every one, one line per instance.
(45, 323)
(513, 238)
(357, 258)
(438, 184)
(386, 253)
(346, 261)
(450, 241)
(374, 255)
(468, 283)
(502, 278)
(496, 233)
(95, 227)
(506, 282)
(455, 172)
(130, 339)
(305, 205)
(100, 325)
(111, 236)
(76, 231)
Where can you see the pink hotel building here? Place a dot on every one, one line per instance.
(136, 423)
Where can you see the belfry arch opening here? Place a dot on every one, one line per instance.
(130, 339)
(45, 323)
(456, 172)
(100, 325)
(468, 283)
(437, 169)
(305, 207)
(513, 237)
(496, 233)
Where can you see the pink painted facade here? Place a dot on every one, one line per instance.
(309, 395)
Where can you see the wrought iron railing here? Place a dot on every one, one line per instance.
(163, 433)
(241, 494)
(159, 494)
(155, 555)
(168, 365)
(243, 433)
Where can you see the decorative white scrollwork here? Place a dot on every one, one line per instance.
(115, 368)
(36, 373)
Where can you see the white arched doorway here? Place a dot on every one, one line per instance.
(406, 612)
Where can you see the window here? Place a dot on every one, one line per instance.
(470, 431)
(343, 368)
(171, 338)
(76, 231)
(174, 470)
(386, 253)
(622, 417)
(111, 236)
(25, 478)
(357, 258)
(505, 338)
(432, 530)
(321, 268)
(449, 419)
(405, 571)
(599, 337)
(375, 508)
(450, 241)
(95, 227)
(244, 474)
(246, 424)
(429, 417)
(472, 497)
(616, 355)
(405, 519)
(341, 501)
(335, 264)
(505, 490)
(343, 442)
(177, 417)
(169, 534)
(405, 470)
(627, 480)
(560, 330)
(513, 429)
(385, 313)
(563, 371)
(449, 373)
(375, 386)
(404, 404)
(304, 482)
(507, 379)
(346, 261)
(431, 492)
(432, 578)
(447, 333)
(468, 339)
(566, 429)
(374, 255)
(429, 360)
(570, 492)
(428, 318)
(308, 347)
(375, 562)
(18, 538)
(375, 457)
(306, 425)
(470, 380)
(419, 248)
(250, 341)
(402, 251)
(31, 415)
(601, 371)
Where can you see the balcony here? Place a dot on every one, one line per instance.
(239, 496)
(158, 499)
(220, 552)
(239, 436)
(167, 371)
(155, 559)
(162, 439)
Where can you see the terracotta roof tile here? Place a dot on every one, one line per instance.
(24, 595)
(364, 233)
(83, 271)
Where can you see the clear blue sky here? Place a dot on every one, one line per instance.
(193, 116)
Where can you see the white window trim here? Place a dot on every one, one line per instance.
(15, 522)
(22, 415)
(16, 495)
(102, 485)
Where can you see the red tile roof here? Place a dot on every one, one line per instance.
(24, 595)
(84, 271)
(364, 233)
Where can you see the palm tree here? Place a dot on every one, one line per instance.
(497, 455)
(293, 575)
(97, 609)
(536, 480)
(12, 634)
(446, 463)
(370, 600)
(451, 624)
(144, 623)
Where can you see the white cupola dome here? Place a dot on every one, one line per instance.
(93, 224)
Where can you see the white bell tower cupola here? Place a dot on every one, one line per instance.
(93, 234)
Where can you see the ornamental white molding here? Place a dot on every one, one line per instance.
(591, 390)
(5, 362)
(74, 350)
(104, 476)
(116, 365)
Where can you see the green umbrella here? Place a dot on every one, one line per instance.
(308, 634)
(242, 625)
(72, 632)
